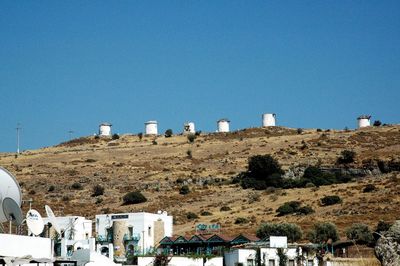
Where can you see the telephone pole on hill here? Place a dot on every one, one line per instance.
(18, 128)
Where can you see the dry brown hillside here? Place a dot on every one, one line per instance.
(129, 164)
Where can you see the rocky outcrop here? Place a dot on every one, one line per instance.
(387, 248)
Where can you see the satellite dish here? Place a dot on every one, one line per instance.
(35, 222)
(52, 219)
(12, 211)
(9, 188)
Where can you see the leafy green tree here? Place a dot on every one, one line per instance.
(292, 231)
(322, 232)
(360, 233)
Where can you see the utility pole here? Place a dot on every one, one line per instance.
(70, 132)
(18, 129)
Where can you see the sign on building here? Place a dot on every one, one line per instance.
(208, 228)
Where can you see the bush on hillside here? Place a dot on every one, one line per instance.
(292, 231)
(330, 200)
(134, 197)
(184, 190)
(322, 232)
(377, 123)
(191, 216)
(346, 157)
(294, 207)
(241, 220)
(381, 227)
(77, 186)
(98, 190)
(369, 188)
(115, 136)
(360, 233)
(263, 172)
(168, 133)
(191, 137)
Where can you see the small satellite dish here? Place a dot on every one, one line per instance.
(35, 222)
(52, 219)
(12, 211)
(9, 188)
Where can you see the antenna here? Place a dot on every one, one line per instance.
(52, 219)
(12, 211)
(18, 128)
(34, 222)
(70, 132)
(9, 189)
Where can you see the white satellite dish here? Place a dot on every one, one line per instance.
(9, 188)
(35, 222)
(52, 219)
(12, 211)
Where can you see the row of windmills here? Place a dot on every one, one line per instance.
(268, 120)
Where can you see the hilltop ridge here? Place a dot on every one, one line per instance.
(159, 166)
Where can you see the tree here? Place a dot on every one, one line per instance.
(115, 136)
(262, 166)
(292, 231)
(322, 232)
(360, 233)
(168, 133)
(346, 157)
(140, 135)
(134, 197)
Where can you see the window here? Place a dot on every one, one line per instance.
(310, 263)
(291, 262)
(130, 231)
(250, 262)
(149, 231)
(271, 263)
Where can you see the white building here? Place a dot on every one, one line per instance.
(76, 232)
(188, 128)
(105, 129)
(268, 120)
(151, 127)
(269, 254)
(136, 233)
(223, 125)
(364, 121)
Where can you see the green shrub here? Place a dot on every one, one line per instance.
(189, 154)
(115, 136)
(140, 135)
(241, 220)
(346, 157)
(51, 188)
(263, 172)
(184, 190)
(154, 142)
(292, 231)
(198, 133)
(98, 190)
(191, 137)
(134, 197)
(76, 186)
(288, 208)
(330, 200)
(360, 233)
(205, 213)
(168, 133)
(322, 232)
(191, 216)
(381, 227)
(299, 131)
(225, 208)
(377, 123)
(369, 188)
(305, 210)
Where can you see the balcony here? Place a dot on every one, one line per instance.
(134, 237)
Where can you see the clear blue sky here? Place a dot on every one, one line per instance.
(69, 65)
